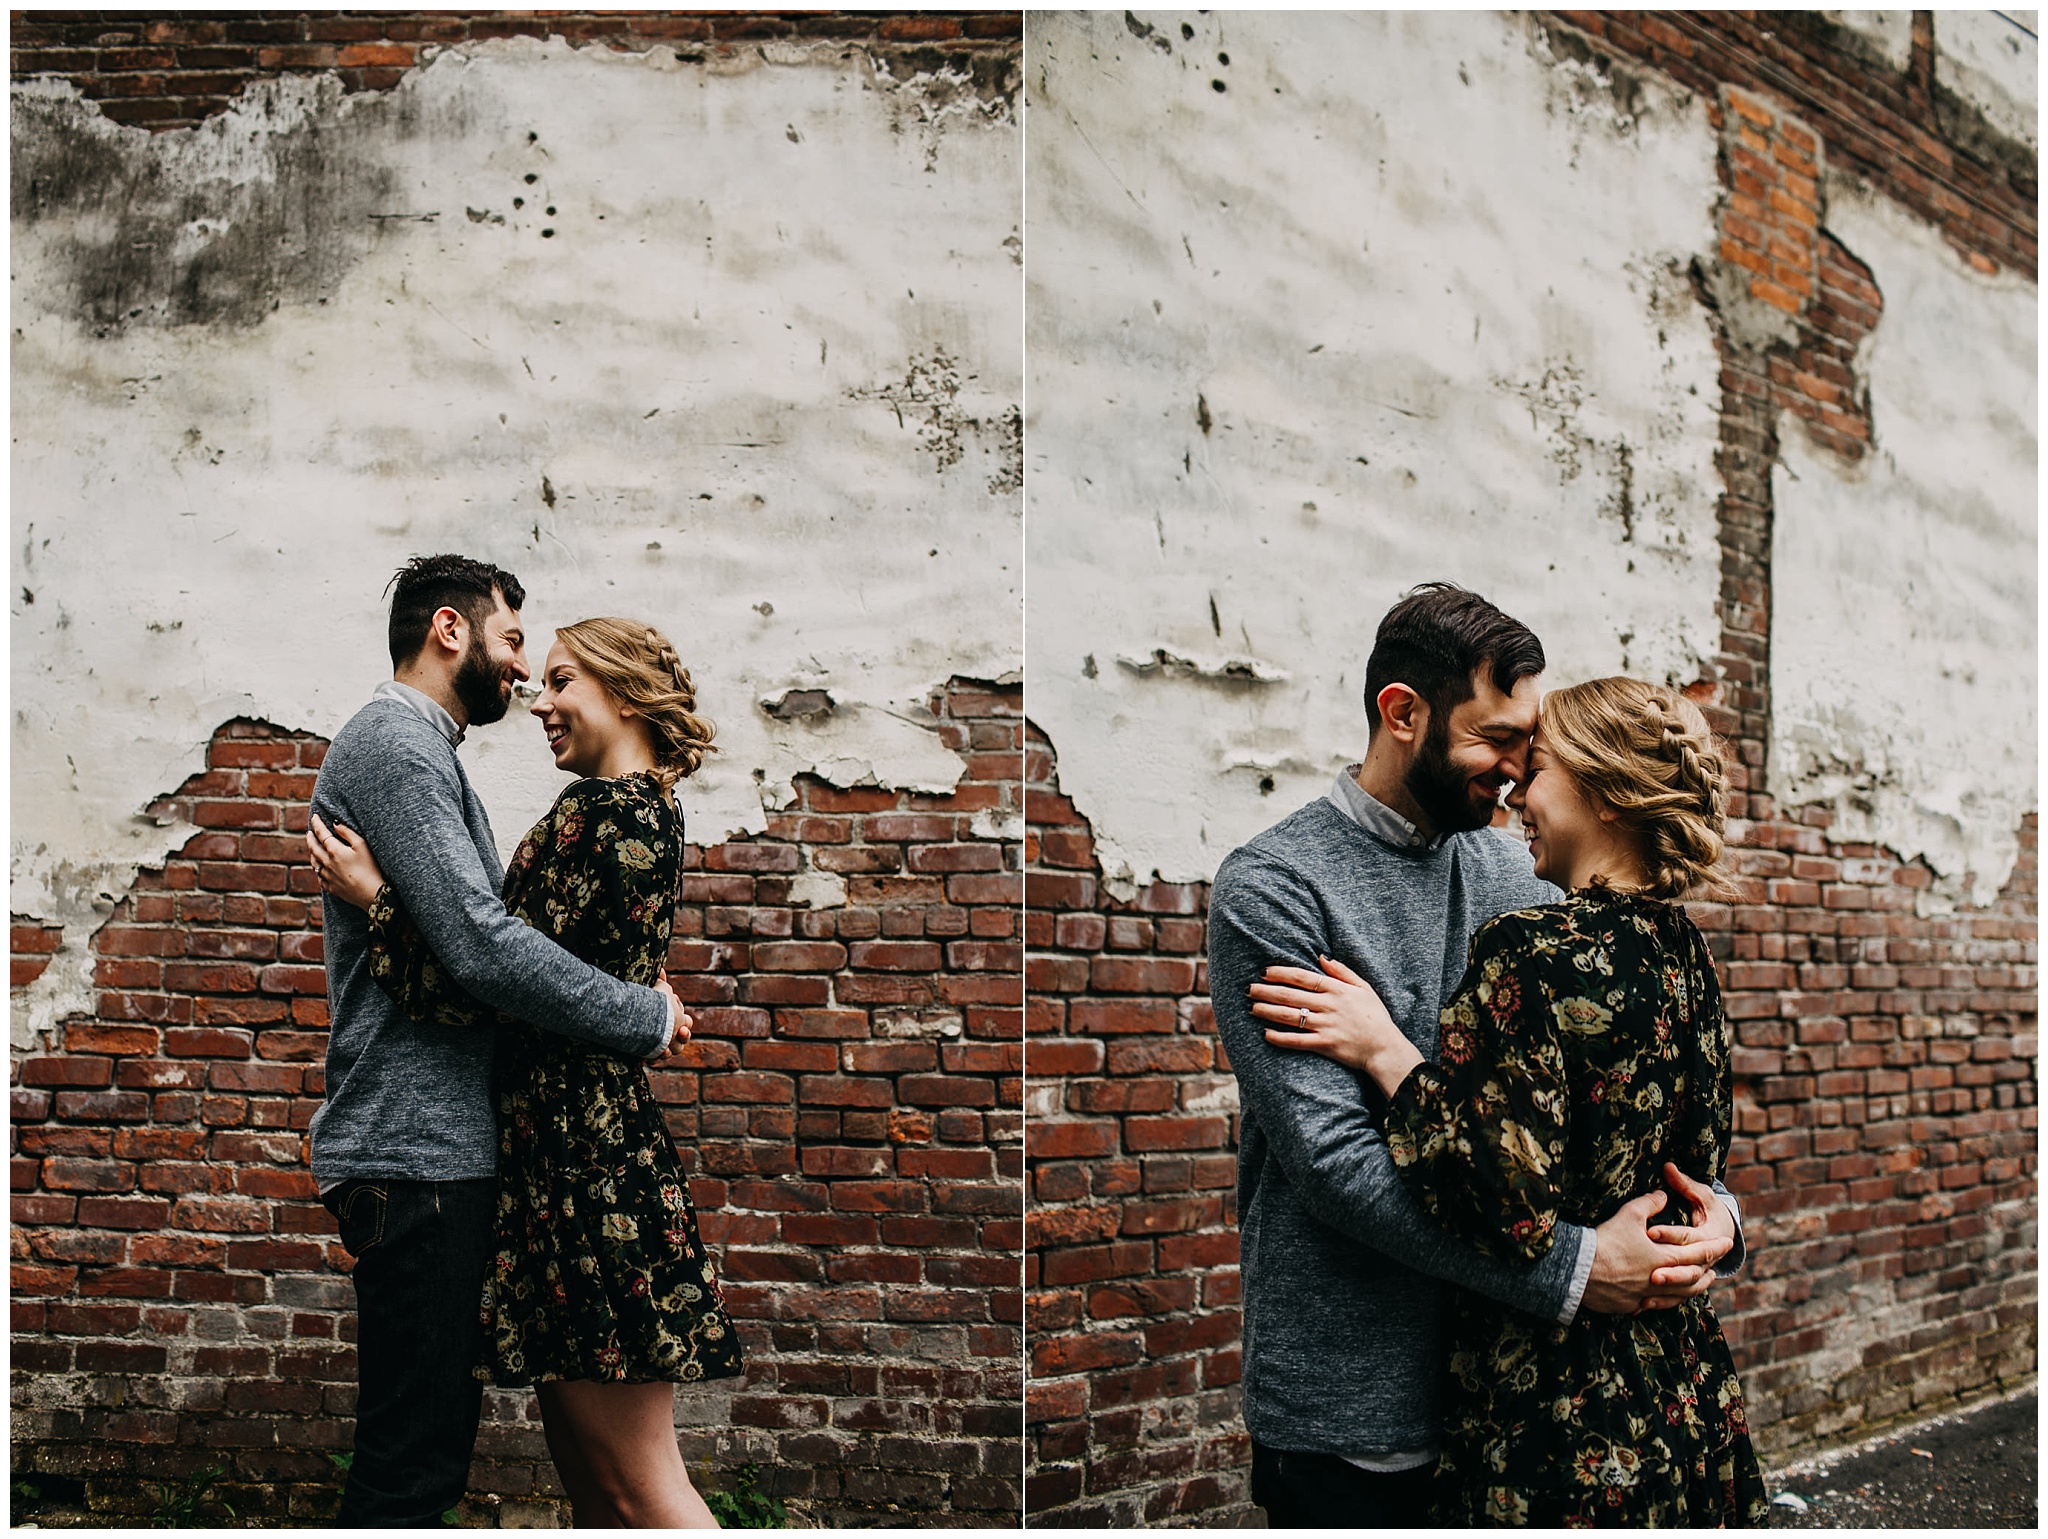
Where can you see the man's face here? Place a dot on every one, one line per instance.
(495, 661)
(1471, 753)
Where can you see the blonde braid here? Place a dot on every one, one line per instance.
(1646, 753)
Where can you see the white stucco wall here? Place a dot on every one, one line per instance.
(1405, 299)
(1903, 639)
(759, 386)
(1992, 60)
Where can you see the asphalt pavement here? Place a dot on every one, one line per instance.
(1976, 1468)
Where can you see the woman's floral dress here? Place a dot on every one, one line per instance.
(1585, 1046)
(599, 1273)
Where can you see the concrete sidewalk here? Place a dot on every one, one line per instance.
(1975, 1468)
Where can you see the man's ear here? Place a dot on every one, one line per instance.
(1404, 713)
(449, 629)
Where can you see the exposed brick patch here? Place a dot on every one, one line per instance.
(851, 1119)
(1776, 249)
(172, 69)
(1132, 1399)
(1893, 130)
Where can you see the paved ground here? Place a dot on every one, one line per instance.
(1972, 1469)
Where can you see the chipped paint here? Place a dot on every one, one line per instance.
(1407, 297)
(1904, 623)
(605, 318)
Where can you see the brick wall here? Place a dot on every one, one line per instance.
(850, 1110)
(171, 69)
(1131, 1398)
(1885, 1127)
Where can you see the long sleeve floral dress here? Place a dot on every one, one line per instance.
(1585, 1046)
(598, 1272)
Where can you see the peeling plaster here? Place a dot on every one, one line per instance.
(1991, 61)
(1903, 634)
(1408, 298)
(342, 335)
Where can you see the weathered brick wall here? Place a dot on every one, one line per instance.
(171, 69)
(1130, 1137)
(1885, 1130)
(850, 1110)
(1884, 1152)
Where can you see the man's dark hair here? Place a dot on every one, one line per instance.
(427, 583)
(1436, 638)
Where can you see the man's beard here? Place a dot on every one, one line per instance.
(1440, 789)
(480, 686)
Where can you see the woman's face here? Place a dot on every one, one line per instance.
(1567, 837)
(582, 720)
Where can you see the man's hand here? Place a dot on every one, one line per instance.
(679, 1022)
(1710, 1220)
(1632, 1271)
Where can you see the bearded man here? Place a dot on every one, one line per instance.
(1391, 873)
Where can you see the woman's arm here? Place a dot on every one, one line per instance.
(1338, 1014)
(401, 962)
(1478, 1136)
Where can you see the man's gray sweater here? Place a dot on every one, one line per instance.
(1341, 1270)
(407, 1101)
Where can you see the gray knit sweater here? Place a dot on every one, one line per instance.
(1340, 1268)
(407, 1101)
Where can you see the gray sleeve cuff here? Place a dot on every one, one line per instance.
(1582, 1273)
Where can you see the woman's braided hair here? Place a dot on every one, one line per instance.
(1646, 753)
(637, 667)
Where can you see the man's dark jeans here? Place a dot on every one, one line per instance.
(1313, 1490)
(421, 1248)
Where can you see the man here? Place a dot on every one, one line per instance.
(405, 1143)
(1391, 873)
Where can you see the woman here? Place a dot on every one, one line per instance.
(599, 1295)
(1585, 1047)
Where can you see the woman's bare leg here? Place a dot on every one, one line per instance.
(624, 1437)
(587, 1505)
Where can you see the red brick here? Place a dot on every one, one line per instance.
(946, 1090)
(87, 1071)
(896, 956)
(1149, 1133)
(1079, 1354)
(1151, 1017)
(799, 956)
(1143, 975)
(206, 1042)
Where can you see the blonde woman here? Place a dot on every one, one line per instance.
(1585, 1048)
(600, 1294)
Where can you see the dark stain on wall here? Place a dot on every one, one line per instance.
(154, 231)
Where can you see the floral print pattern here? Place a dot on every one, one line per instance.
(599, 1273)
(1584, 1048)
